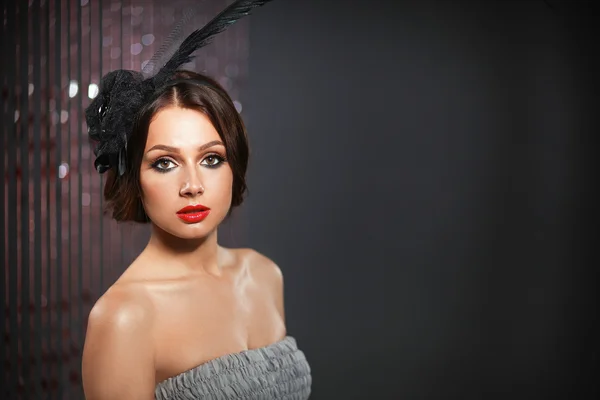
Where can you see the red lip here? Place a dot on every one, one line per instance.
(194, 208)
(193, 214)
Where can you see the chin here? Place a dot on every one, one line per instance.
(196, 233)
(190, 231)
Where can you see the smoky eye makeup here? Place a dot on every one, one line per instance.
(213, 160)
(162, 164)
(165, 164)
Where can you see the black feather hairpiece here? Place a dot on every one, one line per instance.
(122, 93)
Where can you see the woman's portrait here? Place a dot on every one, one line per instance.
(187, 306)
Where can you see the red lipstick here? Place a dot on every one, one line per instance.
(193, 214)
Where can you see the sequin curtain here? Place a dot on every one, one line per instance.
(60, 252)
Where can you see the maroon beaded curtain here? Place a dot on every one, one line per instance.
(60, 252)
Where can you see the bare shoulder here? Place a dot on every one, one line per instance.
(118, 354)
(261, 267)
(121, 308)
(266, 274)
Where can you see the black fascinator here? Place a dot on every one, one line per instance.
(122, 93)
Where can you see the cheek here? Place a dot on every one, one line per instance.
(229, 180)
(154, 188)
(220, 186)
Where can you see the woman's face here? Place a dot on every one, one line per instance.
(184, 165)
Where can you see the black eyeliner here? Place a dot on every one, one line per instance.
(218, 157)
(155, 163)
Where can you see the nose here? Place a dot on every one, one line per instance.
(192, 185)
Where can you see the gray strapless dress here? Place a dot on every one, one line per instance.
(276, 371)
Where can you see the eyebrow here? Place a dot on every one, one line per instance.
(176, 150)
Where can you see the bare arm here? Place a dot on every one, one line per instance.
(118, 355)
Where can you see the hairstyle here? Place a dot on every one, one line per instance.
(188, 90)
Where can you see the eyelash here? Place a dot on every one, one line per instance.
(155, 164)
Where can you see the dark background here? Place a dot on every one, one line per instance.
(422, 172)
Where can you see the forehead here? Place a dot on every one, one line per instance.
(180, 127)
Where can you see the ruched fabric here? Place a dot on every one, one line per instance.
(276, 371)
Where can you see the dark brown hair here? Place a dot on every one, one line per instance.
(186, 90)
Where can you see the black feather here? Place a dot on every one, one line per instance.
(202, 37)
(162, 54)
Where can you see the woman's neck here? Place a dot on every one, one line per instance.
(186, 255)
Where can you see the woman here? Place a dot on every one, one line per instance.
(188, 318)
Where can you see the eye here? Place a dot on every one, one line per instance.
(163, 165)
(212, 160)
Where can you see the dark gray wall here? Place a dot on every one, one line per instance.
(421, 172)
